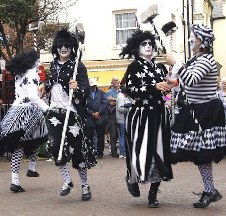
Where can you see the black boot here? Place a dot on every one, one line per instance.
(204, 200)
(133, 188)
(16, 188)
(32, 174)
(207, 198)
(152, 197)
(66, 190)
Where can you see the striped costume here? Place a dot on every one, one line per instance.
(24, 124)
(199, 133)
(147, 124)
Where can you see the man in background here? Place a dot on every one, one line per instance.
(112, 122)
(96, 115)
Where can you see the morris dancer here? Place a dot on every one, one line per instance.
(198, 134)
(76, 147)
(147, 122)
(23, 127)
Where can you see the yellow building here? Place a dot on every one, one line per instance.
(104, 71)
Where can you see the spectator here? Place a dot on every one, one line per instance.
(112, 122)
(223, 86)
(96, 115)
(122, 104)
(220, 92)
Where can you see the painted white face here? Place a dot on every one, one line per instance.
(64, 52)
(194, 42)
(145, 49)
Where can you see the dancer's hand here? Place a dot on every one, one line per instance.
(42, 90)
(162, 86)
(171, 82)
(169, 59)
(73, 85)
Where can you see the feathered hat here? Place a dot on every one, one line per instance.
(67, 39)
(20, 63)
(133, 43)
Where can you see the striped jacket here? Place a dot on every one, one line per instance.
(199, 77)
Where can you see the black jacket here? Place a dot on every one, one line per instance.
(63, 78)
(97, 104)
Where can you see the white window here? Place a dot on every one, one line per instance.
(125, 23)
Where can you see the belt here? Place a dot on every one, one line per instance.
(59, 110)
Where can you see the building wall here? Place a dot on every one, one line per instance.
(97, 17)
(219, 44)
(98, 21)
(99, 24)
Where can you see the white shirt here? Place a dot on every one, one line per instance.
(59, 98)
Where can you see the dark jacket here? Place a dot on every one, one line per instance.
(63, 78)
(98, 104)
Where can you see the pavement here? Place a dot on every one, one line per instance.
(109, 192)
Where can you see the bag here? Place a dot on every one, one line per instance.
(185, 121)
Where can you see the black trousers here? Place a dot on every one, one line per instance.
(113, 131)
(100, 132)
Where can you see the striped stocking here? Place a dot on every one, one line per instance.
(206, 172)
(64, 170)
(83, 176)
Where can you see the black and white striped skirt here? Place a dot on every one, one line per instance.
(23, 126)
(199, 133)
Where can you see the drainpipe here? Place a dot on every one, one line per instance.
(188, 27)
(211, 25)
(184, 29)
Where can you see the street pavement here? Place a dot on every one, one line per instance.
(109, 192)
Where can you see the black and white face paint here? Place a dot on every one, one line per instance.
(192, 40)
(64, 52)
(145, 49)
(195, 42)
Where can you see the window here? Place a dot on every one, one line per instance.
(125, 24)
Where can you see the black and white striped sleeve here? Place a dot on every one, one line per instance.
(194, 73)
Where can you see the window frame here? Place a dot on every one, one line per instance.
(123, 28)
